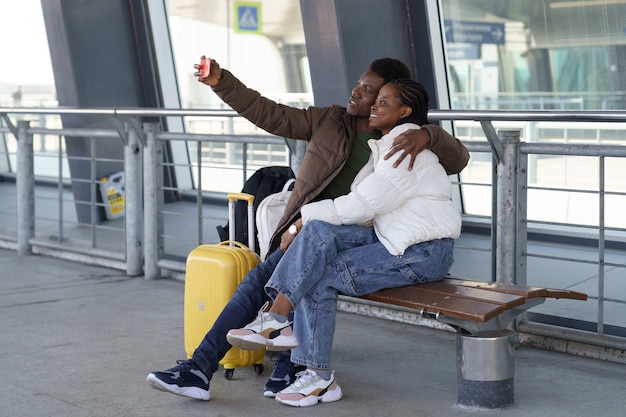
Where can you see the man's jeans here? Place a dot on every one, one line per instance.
(325, 260)
(240, 310)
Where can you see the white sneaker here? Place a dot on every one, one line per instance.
(264, 332)
(309, 389)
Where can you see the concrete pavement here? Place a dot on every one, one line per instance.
(79, 340)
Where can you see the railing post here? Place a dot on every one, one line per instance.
(506, 207)
(25, 184)
(522, 218)
(133, 202)
(153, 201)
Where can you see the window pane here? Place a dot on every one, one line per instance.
(540, 55)
(520, 54)
(26, 77)
(262, 44)
(27, 80)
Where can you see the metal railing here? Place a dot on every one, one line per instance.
(149, 248)
(117, 243)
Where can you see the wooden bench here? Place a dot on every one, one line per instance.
(481, 312)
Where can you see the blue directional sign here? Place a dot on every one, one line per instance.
(465, 31)
(458, 51)
(248, 17)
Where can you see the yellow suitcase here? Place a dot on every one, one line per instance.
(212, 274)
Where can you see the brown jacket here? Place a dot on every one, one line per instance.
(329, 132)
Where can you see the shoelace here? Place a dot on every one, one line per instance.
(304, 379)
(261, 313)
(182, 365)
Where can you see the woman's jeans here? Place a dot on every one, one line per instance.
(326, 260)
(242, 308)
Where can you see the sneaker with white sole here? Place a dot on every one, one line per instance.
(309, 389)
(185, 379)
(283, 374)
(264, 332)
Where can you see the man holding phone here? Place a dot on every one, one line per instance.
(337, 149)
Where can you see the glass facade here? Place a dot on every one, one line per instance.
(26, 74)
(520, 54)
(26, 80)
(541, 55)
(500, 55)
(261, 42)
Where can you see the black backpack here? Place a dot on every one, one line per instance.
(265, 181)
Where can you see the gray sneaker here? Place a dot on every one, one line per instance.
(264, 332)
(309, 389)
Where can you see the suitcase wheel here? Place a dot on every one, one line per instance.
(258, 368)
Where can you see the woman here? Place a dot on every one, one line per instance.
(396, 227)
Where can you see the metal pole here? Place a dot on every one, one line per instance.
(133, 202)
(199, 205)
(25, 184)
(496, 152)
(506, 214)
(494, 216)
(601, 245)
(152, 156)
(522, 218)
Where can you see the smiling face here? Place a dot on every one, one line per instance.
(387, 109)
(364, 94)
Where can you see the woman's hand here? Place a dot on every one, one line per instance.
(215, 73)
(288, 237)
(411, 142)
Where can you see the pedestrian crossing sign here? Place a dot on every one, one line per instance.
(247, 17)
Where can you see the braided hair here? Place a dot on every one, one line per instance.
(413, 94)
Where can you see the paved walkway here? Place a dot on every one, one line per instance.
(79, 340)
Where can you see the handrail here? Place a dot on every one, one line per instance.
(433, 115)
(529, 115)
(114, 111)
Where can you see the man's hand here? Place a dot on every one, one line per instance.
(215, 74)
(411, 142)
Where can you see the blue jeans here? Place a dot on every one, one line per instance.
(325, 260)
(242, 308)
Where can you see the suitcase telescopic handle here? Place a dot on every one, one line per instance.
(232, 197)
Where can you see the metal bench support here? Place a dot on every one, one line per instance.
(482, 313)
(485, 370)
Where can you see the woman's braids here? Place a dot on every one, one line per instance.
(413, 94)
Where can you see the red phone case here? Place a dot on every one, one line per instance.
(205, 67)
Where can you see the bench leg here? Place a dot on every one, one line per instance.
(485, 370)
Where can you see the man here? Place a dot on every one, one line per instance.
(337, 149)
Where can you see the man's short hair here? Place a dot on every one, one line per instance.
(390, 69)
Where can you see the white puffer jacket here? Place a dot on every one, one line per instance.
(406, 207)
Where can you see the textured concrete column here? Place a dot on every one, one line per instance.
(506, 210)
(134, 203)
(153, 201)
(25, 183)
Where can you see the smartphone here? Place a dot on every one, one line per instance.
(205, 67)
